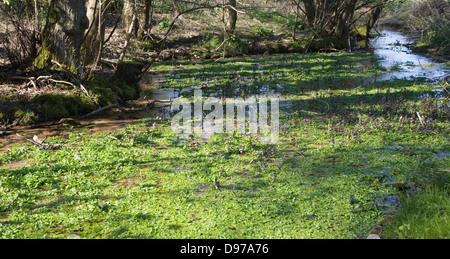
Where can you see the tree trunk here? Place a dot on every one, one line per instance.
(310, 12)
(94, 37)
(66, 24)
(373, 18)
(145, 19)
(231, 18)
(129, 11)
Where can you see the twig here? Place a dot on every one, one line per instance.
(420, 119)
(216, 184)
(83, 89)
(34, 84)
(40, 78)
(113, 30)
(42, 144)
(114, 138)
(127, 41)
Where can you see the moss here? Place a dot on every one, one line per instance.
(18, 113)
(51, 106)
(125, 82)
(102, 95)
(86, 105)
(24, 117)
(7, 97)
(125, 91)
(77, 105)
(360, 32)
(44, 60)
(279, 48)
(296, 47)
(57, 106)
(148, 45)
(52, 15)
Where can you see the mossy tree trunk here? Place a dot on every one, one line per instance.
(373, 18)
(64, 33)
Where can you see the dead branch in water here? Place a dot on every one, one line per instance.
(112, 106)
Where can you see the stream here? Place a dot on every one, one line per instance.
(392, 48)
(394, 51)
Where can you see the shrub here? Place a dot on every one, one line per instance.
(236, 46)
(263, 32)
(428, 19)
(164, 24)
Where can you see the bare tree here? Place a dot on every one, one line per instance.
(334, 19)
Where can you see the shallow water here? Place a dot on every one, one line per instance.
(394, 51)
(391, 48)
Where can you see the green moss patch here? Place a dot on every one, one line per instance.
(57, 106)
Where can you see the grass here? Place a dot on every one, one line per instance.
(423, 215)
(332, 174)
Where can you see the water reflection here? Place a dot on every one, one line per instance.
(394, 51)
